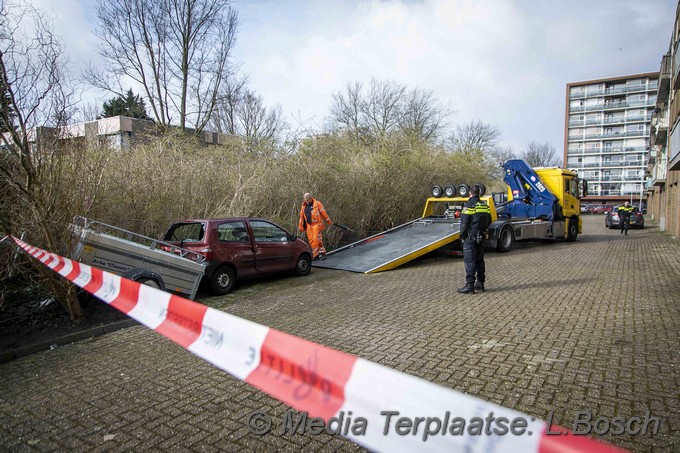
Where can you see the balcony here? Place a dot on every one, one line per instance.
(659, 129)
(664, 77)
(676, 68)
(609, 135)
(659, 172)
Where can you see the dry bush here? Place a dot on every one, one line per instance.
(164, 179)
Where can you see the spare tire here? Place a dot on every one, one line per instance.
(482, 189)
(450, 190)
(464, 190)
(436, 191)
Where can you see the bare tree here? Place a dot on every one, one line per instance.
(225, 116)
(541, 155)
(37, 93)
(347, 110)
(178, 51)
(258, 123)
(474, 137)
(241, 112)
(386, 107)
(423, 119)
(382, 106)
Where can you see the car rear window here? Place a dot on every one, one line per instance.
(185, 232)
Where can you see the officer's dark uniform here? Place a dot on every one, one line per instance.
(624, 216)
(474, 223)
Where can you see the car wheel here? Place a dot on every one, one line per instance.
(572, 232)
(303, 265)
(222, 280)
(505, 239)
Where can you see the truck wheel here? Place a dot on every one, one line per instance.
(436, 191)
(450, 190)
(505, 240)
(572, 232)
(222, 280)
(463, 190)
(303, 266)
(482, 189)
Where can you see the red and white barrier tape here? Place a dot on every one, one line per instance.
(313, 378)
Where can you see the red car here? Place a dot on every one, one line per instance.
(240, 248)
(602, 209)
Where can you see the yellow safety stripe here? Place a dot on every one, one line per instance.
(480, 208)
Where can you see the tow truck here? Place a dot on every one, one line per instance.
(542, 202)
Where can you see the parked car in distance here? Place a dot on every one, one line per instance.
(240, 248)
(612, 220)
(602, 209)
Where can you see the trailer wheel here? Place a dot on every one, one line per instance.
(463, 190)
(149, 282)
(304, 265)
(482, 189)
(450, 190)
(505, 239)
(222, 280)
(436, 191)
(572, 232)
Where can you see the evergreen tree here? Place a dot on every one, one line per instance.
(131, 105)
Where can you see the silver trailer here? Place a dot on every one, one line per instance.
(137, 257)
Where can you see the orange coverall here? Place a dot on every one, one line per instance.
(316, 226)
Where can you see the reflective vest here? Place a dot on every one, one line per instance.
(625, 211)
(476, 216)
(318, 215)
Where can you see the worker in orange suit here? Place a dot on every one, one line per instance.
(312, 216)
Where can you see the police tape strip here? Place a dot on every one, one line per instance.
(313, 378)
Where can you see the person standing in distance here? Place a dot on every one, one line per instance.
(625, 212)
(312, 216)
(474, 224)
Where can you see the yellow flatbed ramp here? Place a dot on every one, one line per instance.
(392, 248)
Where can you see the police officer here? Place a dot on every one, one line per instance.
(624, 215)
(474, 223)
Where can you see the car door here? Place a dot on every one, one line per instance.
(274, 252)
(233, 245)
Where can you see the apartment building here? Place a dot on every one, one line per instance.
(663, 189)
(607, 128)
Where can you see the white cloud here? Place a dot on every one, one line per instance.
(505, 62)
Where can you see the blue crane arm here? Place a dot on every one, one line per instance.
(530, 196)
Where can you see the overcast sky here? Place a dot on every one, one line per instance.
(505, 62)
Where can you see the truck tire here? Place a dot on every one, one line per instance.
(450, 190)
(572, 229)
(222, 280)
(463, 190)
(303, 265)
(436, 191)
(482, 189)
(505, 239)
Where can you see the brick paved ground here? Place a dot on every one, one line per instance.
(593, 325)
